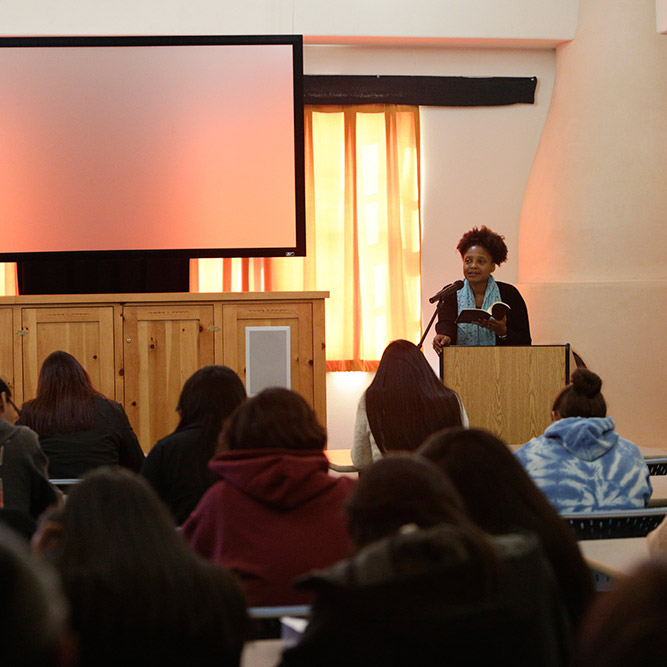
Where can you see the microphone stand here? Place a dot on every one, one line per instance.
(430, 324)
(439, 297)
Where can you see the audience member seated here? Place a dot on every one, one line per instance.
(275, 512)
(177, 466)
(427, 586)
(78, 428)
(501, 498)
(580, 462)
(34, 616)
(138, 594)
(626, 625)
(25, 491)
(404, 404)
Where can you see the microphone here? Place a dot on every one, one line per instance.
(446, 291)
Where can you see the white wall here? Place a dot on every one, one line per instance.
(546, 21)
(551, 21)
(593, 242)
(343, 392)
(661, 16)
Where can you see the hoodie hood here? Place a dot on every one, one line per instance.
(587, 438)
(281, 478)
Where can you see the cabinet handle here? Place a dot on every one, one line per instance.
(22, 332)
(212, 328)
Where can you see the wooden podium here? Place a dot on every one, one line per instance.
(507, 390)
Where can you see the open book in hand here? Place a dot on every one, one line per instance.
(498, 310)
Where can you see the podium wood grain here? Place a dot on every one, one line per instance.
(507, 390)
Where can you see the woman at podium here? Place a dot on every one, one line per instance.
(482, 250)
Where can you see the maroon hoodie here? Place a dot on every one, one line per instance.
(275, 514)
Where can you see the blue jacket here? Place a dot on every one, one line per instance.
(582, 465)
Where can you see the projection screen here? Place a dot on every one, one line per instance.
(151, 146)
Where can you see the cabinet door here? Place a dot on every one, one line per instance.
(85, 332)
(162, 347)
(10, 335)
(297, 319)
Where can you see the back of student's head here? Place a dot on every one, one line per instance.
(399, 490)
(275, 418)
(62, 373)
(626, 625)
(406, 401)
(138, 594)
(501, 498)
(65, 397)
(582, 397)
(498, 493)
(109, 509)
(208, 397)
(33, 613)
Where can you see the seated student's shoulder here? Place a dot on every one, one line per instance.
(111, 414)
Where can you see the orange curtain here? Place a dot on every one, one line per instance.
(8, 279)
(363, 233)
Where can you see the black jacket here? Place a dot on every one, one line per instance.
(178, 470)
(518, 327)
(422, 598)
(111, 441)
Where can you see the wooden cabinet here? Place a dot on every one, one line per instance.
(140, 348)
(86, 333)
(9, 334)
(296, 318)
(163, 345)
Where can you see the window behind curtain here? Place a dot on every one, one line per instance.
(363, 233)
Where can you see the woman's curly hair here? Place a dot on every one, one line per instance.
(493, 243)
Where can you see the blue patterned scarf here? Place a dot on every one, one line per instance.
(471, 334)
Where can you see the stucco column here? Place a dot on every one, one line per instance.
(593, 233)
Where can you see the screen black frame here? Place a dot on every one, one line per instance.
(295, 41)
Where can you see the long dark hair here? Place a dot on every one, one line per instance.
(406, 401)
(501, 498)
(402, 489)
(208, 398)
(65, 400)
(139, 594)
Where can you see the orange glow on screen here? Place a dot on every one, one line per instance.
(138, 148)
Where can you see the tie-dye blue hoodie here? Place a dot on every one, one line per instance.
(582, 464)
